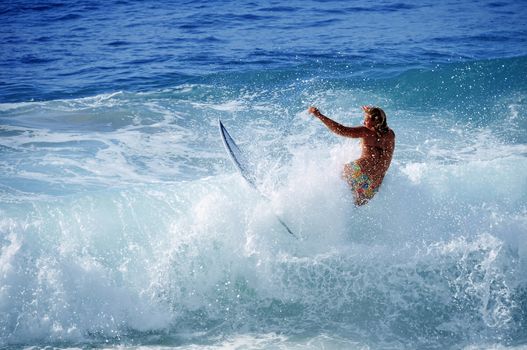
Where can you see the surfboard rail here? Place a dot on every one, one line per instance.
(240, 162)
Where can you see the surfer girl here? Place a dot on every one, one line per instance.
(365, 174)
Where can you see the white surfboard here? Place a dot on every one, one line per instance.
(243, 165)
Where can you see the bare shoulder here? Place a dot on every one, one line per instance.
(389, 137)
(357, 131)
(390, 140)
(365, 132)
(385, 141)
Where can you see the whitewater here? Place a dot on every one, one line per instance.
(124, 224)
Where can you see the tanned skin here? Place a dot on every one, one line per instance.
(377, 148)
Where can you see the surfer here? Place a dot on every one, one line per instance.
(365, 174)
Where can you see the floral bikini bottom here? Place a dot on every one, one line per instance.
(362, 185)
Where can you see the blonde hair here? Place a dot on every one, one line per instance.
(379, 119)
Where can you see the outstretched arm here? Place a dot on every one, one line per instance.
(339, 129)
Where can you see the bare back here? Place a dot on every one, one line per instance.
(377, 153)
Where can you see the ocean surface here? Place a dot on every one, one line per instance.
(124, 224)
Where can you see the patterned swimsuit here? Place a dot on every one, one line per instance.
(361, 184)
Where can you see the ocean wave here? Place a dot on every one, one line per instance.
(122, 220)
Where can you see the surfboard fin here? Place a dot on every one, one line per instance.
(286, 227)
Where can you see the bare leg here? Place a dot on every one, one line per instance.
(359, 201)
(347, 173)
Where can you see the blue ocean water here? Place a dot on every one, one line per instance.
(124, 224)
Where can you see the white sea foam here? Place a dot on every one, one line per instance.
(128, 221)
(109, 259)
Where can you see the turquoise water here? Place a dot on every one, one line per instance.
(124, 224)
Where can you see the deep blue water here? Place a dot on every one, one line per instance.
(53, 50)
(123, 222)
